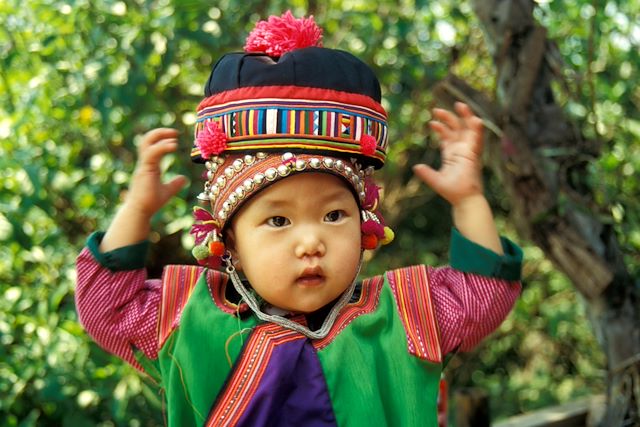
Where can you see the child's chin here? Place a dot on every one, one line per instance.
(307, 308)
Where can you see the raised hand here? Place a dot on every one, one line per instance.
(147, 192)
(459, 179)
(460, 175)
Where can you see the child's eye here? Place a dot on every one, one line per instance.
(334, 216)
(278, 221)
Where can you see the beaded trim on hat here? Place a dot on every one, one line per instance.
(228, 188)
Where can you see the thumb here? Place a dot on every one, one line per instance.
(428, 175)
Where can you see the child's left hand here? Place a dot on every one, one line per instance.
(460, 176)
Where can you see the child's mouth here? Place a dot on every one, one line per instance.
(311, 276)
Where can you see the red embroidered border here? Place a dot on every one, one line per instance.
(178, 282)
(410, 285)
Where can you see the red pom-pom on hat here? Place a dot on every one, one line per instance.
(281, 34)
(368, 145)
(211, 140)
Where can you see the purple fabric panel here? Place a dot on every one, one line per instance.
(293, 391)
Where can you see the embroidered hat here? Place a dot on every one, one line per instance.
(286, 105)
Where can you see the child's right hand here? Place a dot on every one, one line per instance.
(147, 193)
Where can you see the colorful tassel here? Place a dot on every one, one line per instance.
(200, 252)
(371, 194)
(281, 34)
(389, 235)
(369, 241)
(216, 248)
(372, 227)
(204, 224)
(211, 140)
(368, 145)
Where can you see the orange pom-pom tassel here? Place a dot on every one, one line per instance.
(216, 248)
(369, 241)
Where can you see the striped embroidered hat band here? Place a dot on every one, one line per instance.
(282, 118)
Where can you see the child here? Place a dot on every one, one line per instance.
(290, 134)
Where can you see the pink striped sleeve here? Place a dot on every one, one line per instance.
(119, 310)
(469, 307)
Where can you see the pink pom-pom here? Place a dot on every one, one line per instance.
(211, 140)
(371, 227)
(281, 34)
(368, 145)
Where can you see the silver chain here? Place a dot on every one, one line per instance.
(251, 301)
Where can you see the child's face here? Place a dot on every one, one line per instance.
(298, 241)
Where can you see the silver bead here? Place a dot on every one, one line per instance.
(221, 181)
(240, 192)
(271, 174)
(328, 162)
(248, 184)
(210, 174)
(215, 190)
(261, 155)
(287, 156)
(226, 206)
(259, 178)
(203, 197)
(237, 165)
(301, 165)
(249, 159)
(339, 165)
(348, 170)
(222, 215)
(229, 172)
(233, 199)
(314, 163)
(283, 170)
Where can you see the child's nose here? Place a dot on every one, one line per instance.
(310, 243)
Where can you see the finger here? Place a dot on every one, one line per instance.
(156, 135)
(428, 175)
(476, 124)
(463, 110)
(447, 117)
(175, 185)
(443, 131)
(155, 153)
(468, 117)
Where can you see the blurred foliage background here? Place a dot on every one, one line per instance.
(80, 80)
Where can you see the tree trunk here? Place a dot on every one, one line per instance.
(540, 157)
